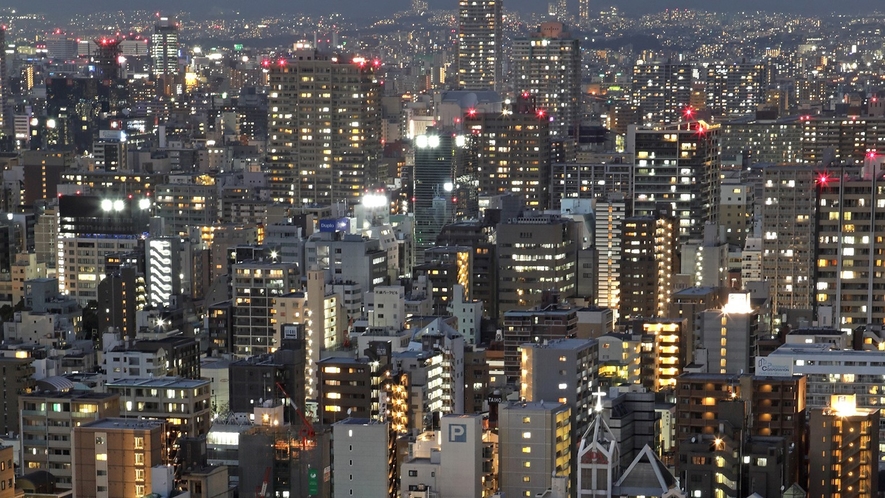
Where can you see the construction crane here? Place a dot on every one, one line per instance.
(308, 434)
(261, 491)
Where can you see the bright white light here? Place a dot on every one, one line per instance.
(448, 186)
(421, 141)
(35, 121)
(273, 255)
(50, 124)
(119, 205)
(372, 201)
(144, 204)
(198, 50)
(107, 205)
(433, 141)
(460, 140)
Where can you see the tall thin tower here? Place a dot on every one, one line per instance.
(4, 85)
(164, 46)
(480, 53)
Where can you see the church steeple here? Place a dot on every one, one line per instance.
(598, 455)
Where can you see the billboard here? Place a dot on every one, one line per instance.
(335, 225)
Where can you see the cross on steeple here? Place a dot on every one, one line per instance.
(599, 394)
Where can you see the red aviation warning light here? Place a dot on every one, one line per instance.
(823, 179)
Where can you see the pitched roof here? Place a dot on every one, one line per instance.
(646, 476)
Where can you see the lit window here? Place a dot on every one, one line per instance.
(101, 457)
(526, 435)
(525, 449)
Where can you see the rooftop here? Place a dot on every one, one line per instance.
(124, 424)
(169, 382)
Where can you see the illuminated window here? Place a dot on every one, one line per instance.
(101, 457)
(526, 449)
(526, 435)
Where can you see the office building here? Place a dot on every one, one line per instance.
(535, 444)
(535, 254)
(480, 45)
(435, 156)
(116, 457)
(661, 90)
(788, 207)
(90, 228)
(165, 47)
(646, 267)
(547, 65)
(324, 129)
(169, 356)
(364, 458)
(47, 420)
(677, 166)
(844, 454)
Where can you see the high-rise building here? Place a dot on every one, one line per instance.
(512, 152)
(677, 166)
(7, 472)
(646, 267)
(256, 285)
(534, 446)
(363, 454)
(547, 65)
(728, 335)
(569, 382)
(90, 228)
(116, 457)
(480, 44)
(844, 455)
(535, 255)
(661, 90)
(545, 323)
(324, 129)
(734, 89)
(5, 117)
(163, 270)
(788, 220)
(435, 155)
(609, 214)
(164, 46)
(849, 249)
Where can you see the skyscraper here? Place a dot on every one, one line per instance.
(4, 85)
(678, 166)
(788, 204)
(661, 90)
(646, 270)
(164, 46)
(434, 171)
(324, 129)
(512, 152)
(849, 248)
(846, 450)
(480, 56)
(548, 66)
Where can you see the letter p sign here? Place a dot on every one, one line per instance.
(457, 433)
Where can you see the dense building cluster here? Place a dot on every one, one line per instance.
(462, 253)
